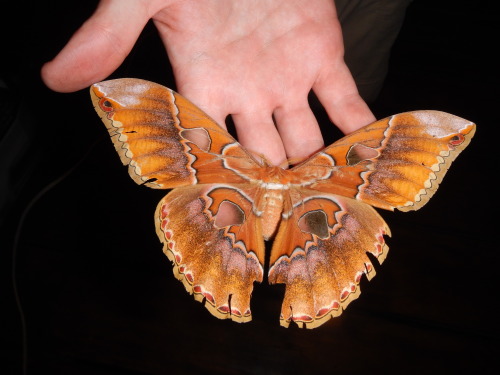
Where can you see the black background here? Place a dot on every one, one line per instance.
(99, 297)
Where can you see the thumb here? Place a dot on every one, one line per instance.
(98, 47)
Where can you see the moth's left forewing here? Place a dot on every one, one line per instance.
(165, 139)
(141, 119)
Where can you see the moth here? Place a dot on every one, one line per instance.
(225, 200)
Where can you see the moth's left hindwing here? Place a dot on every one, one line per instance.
(217, 262)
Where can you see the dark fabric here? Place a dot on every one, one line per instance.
(369, 28)
(99, 296)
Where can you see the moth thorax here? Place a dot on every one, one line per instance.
(272, 209)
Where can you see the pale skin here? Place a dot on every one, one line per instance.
(256, 60)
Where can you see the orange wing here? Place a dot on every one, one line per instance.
(214, 241)
(166, 140)
(397, 162)
(320, 253)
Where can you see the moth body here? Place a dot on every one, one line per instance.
(270, 199)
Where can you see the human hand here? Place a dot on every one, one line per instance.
(256, 61)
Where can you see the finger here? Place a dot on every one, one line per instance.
(98, 47)
(257, 133)
(208, 100)
(339, 95)
(299, 131)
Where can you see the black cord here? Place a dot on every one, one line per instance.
(15, 246)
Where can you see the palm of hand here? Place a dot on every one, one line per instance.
(254, 61)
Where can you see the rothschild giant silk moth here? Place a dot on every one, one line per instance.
(225, 200)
